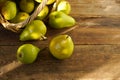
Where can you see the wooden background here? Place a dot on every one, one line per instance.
(97, 47)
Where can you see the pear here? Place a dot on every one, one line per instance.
(58, 20)
(27, 53)
(43, 13)
(64, 6)
(21, 16)
(48, 3)
(34, 31)
(9, 10)
(27, 5)
(61, 46)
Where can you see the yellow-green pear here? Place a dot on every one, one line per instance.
(27, 5)
(58, 20)
(21, 16)
(43, 13)
(64, 6)
(48, 3)
(34, 31)
(61, 46)
(27, 53)
(9, 10)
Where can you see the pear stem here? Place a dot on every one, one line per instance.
(43, 37)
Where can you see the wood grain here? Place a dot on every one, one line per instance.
(95, 8)
(88, 31)
(86, 60)
(96, 54)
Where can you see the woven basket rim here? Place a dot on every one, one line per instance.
(16, 27)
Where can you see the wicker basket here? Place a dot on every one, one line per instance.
(16, 27)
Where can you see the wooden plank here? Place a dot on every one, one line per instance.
(96, 55)
(88, 31)
(86, 60)
(95, 8)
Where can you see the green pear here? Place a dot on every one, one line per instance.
(9, 10)
(43, 13)
(64, 6)
(27, 53)
(61, 46)
(48, 3)
(34, 31)
(21, 16)
(27, 5)
(58, 20)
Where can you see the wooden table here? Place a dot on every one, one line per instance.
(97, 47)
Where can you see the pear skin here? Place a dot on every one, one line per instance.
(48, 3)
(27, 5)
(9, 10)
(61, 46)
(58, 20)
(21, 16)
(33, 31)
(27, 53)
(64, 6)
(43, 13)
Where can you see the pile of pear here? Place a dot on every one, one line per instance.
(16, 11)
(56, 17)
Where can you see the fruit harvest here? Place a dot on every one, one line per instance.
(31, 18)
